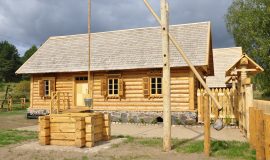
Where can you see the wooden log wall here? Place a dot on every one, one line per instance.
(228, 100)
(63, 83)
(75, 129)
(259, 127)
(134, 99)
(182, 91)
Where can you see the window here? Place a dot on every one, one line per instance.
(113, 86)
(81, 78)
(46, 88)
(156, 85)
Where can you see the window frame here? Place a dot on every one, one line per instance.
(47, 84)
(156, 86)
(113, 87)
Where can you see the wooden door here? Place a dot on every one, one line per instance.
(81, 91)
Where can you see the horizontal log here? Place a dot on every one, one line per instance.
(62, 136)
(62, 127)
(54, 119)
(80, 142)
(62, 142)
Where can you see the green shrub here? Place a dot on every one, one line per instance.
(20, 90)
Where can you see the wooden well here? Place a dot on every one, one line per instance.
(74, 129)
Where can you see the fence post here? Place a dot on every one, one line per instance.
(206, 125)
(267, 133)
(80, 132)
(252, 127)
(249, 103)
(260, 153)
(44, 130)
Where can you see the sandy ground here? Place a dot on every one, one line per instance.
(33, 151)
(15, 121)
(180, 132)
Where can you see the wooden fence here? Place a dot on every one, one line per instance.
(259, 121)
(74, 129)
(228, 100)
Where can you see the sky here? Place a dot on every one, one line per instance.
(31, 22)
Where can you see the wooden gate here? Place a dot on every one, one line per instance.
(229, 101)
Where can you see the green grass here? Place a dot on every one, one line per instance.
(225, 149)
(14, 112)
(15, 136)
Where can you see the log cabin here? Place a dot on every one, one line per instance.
(126, 72)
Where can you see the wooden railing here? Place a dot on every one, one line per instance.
(56, 98)
(227, 99)
(259, 128)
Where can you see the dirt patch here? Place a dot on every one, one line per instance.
(15, 119)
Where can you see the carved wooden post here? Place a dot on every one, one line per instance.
(243, 67)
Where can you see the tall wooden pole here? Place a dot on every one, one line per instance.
(89, 45)
(182, 53)
(206, 125)
(166, 84)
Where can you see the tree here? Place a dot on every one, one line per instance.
(249, 23)
(29, 53)
(10, 62)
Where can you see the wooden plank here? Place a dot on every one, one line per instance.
(252, 127)
(62, 142)
(267, 135)
(62, 127)
(80, 142)
(62, 136)
(54, 119)
(260, 152)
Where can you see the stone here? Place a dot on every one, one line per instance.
(124, 117)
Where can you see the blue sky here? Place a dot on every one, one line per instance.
(28, 22)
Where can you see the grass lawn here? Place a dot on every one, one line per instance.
(14, 112)
(15, 136)
(224, 149)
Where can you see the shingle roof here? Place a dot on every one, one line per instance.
(115, 50)
(223, 59)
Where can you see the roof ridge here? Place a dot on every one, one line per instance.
(123, 30)
(227, 48)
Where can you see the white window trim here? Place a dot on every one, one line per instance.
(113, 94)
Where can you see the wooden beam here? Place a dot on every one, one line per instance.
(178, 47)
(166, 84)
(89, 47)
